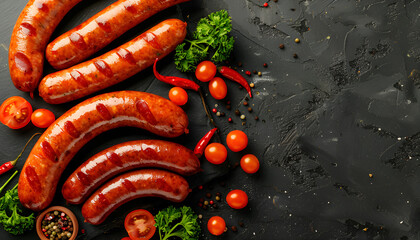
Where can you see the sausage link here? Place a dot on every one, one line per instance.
(98, 31)
(63, 139)
(30, 36)
(114, 66)
(132, 185)
(126, 156)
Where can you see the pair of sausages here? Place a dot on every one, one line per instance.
(37, 22)
(127, 156)
(63, 139)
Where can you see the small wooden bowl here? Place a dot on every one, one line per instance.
(61, 209)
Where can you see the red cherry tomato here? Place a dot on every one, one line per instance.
(205, 71)
(126, 238)
(250, 163)
(178, 96)
(237, 199)
(216, 225)
(15, 112)
(237, 140)
(140, 225)
(42, 118)
(218, 88)
(215, 153)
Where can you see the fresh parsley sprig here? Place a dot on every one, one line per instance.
(211, 35)
(177, 222)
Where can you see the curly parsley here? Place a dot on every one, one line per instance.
(211, 34)
(177, 222)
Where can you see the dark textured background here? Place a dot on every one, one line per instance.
(347, 107)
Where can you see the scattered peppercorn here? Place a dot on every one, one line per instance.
(226, 229)
(259, 74)
(292, 9)
(246, 99)
(205, 207)
(295, 55)
(370, 175)
(252, 85)
(241, 224)
(218, 194)
(228, 102)
(297, 40)
(206, 203)
(200, 204)
(243, 123)
(248, 73)
(249, 109)
(239, 64)
(243, 117)
(256, 118)
(265, 5)
(214, 206)
(237, 113)
(208, 195)
(218, 114)
(201, 200)
(228, 107)
(365, 229)
(234, 228)
(245, 103)
(255, 71)
(200, 187)
(217, 198)
(275, 0)
(265, 65)
(230, 120)
(222, 114)
(200, 216)
(281, 46)
(214, 110)
(211, 202)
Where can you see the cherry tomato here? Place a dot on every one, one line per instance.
(15, 112)
(178, 96)
(218, 88)
(237, 199)
(215, 153)
(216, 225)
(250, 163)
(140, 225)
(126, 238)
(237, 140)
(205, 71)
(42, 118)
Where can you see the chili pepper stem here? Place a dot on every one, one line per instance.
(8, 180)
(206, 109)
(23, 150)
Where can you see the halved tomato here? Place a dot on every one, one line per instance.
(140, 224)
(15, 112)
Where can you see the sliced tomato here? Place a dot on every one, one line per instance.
(140, 225)
(15, 112)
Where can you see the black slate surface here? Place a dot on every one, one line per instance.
(345, 108)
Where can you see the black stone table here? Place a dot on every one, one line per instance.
(338, 129)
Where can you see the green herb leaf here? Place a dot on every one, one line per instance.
(211, 34)
(177, 222)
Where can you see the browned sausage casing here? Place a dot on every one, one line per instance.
(63, 139)
(98, 31)
(114, 66)
(132, 185)
(30, 36)
(126, 156)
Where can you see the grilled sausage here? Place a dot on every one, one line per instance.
(30, 36)
(132, 185)
(95, 33)
(63, 139)
(126, 156)
(114, 66)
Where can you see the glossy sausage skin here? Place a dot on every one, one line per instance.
(126, 156)
(114, 66)
(30, 36)
(97, 32)
(132, 185)
(63, 139)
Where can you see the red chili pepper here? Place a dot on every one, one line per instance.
(10, 164)
(202, 144)
(235, 76)
(176, 81)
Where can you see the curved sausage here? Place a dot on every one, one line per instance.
(114, 66)
(132, 185)
(63, 139)
(30, 36)
(126, 156)
(98, 31)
